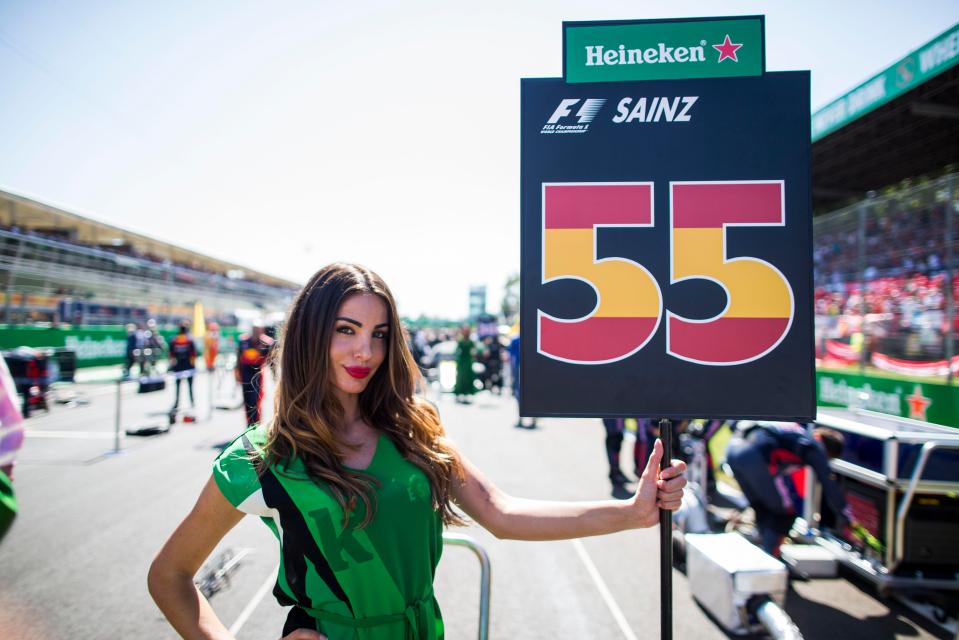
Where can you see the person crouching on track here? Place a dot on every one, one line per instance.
(763, 457)
(356, 479)
(182, 364)
(252, 353)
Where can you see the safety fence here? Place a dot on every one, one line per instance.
(885, 283)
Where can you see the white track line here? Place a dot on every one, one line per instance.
(604, 591)
(252, 604)
(76, 435)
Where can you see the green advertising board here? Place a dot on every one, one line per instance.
(926, 401)
(929, 60)
(95, 346)
(618, 51)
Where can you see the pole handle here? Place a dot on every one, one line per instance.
(666, 541)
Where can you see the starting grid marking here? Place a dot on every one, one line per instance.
(73, 435)
(604, 591)
(255, 601)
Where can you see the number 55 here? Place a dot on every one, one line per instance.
(759, 308)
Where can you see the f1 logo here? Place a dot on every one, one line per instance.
(585, 114)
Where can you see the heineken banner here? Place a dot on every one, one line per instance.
(95, 346)
(926, 400)
(663, 49)
(666, 248)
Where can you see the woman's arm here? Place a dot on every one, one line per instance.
(171, 575)
(520, 519)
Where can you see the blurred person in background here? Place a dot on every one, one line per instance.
(135, 344)
(422, 352)
(211, 345)
(646, 434)
(183, 365)
(491, 357)
(514, 355)
(154, 346)
(356, 479)
(763, 457)
(465, 385)
(253, 351)
(11, 440)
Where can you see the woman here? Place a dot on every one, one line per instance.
(465, 385)
(356, 479)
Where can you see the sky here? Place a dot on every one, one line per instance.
(285, 135)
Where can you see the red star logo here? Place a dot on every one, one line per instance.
(918, 404)
(727, 49)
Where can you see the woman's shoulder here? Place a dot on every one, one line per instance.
(251, 441)
(235, 470)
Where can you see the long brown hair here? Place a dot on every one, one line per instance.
(308, 415)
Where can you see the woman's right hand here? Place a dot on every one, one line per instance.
(304, 634)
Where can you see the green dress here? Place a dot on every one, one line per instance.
(8, 504)
(464, 385)
(374, 583)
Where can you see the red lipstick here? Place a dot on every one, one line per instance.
(358, 372)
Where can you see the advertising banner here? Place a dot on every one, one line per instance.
(927, 401)
(619, 51)
(667, 248)
(936, 56)
(95, 346)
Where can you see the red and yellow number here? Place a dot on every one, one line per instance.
(759, 308)
(628, 300)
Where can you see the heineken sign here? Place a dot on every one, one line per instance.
(928, 401)
(663, 50)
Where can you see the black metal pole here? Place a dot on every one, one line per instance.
(666, 542)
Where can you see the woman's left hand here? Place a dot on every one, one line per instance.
(658, 489)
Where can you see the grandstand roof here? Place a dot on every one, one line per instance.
(31, 215)
(902, 123)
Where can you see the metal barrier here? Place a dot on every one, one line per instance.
(460, 540)
(906, 501)
(881, 449)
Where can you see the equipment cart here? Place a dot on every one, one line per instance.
(901, 479)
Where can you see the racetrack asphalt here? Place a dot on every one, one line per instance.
(74, 564)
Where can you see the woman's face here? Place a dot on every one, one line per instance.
(359, 342)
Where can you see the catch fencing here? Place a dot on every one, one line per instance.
(885, 282)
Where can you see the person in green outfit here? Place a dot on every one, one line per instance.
(11, 440)
(356, 479)
(465, 385)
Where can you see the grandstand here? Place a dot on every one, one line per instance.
(900, 125)
(58, 267)
(884, 162)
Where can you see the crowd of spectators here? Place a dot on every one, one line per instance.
(22, 247)
(898, 299)
(193, 273)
